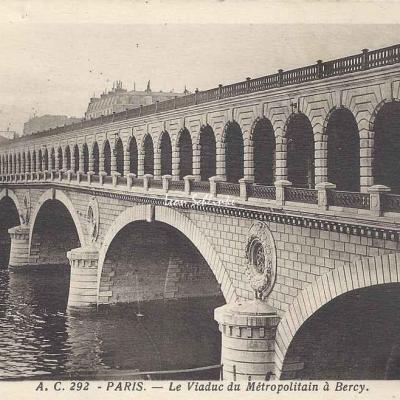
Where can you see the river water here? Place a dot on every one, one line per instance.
(356, 337)
(38, 338)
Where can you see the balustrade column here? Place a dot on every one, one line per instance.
(157, 163)
(281, 158)
(320, 156)
(248, 158)
(196, 161)
(366, 154)
(220, 161)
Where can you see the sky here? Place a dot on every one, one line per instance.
(54, 57)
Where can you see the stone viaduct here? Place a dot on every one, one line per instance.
(281, 193)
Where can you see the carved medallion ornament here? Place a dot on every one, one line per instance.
(93, 219)
(261, 260)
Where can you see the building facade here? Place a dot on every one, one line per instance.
(119, 99)
(44, 122)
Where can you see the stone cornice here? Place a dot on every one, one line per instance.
(365, 228)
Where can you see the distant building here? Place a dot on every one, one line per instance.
(44, 122)
(119, 99)
(7, 135)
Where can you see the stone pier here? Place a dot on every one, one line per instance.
(248, 340)
(19, 252)
(83, 283)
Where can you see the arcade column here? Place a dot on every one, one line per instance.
(83, 282)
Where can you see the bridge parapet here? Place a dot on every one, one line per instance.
(377, 202)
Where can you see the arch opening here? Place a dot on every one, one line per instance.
(67, 158)
(107, 157)
(96, 158)
(148, 156)
(386, 165)
(166, 154)
(19, 163)
(185, 154)
(208, 153)
(52, 160)
(173, 285)
(354, 336)
(54, 234)
(85, 158)
(46, 160)
(34, 161)
(173, 269)
(343, 150)
(28, 162)
(300, 151)
(119, 155)
(41, 160)
(8, 219)
(60, 159)
(264, 152)
(76, 158)
(133, 156)
(234, 153)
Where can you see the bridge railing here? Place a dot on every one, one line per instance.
(349, 199)
(324, 198)
(358, 62)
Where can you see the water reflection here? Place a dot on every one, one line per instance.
(37, 335)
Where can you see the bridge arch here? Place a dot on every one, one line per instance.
(181, 223)
(10, 216)
(59, 195)
(11, 194)
(363, 273)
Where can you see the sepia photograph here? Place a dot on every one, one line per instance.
(201, 195)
